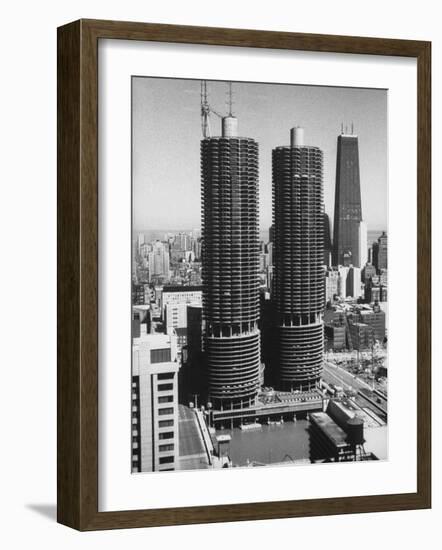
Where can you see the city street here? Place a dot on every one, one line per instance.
(341, 377)
(192, 452)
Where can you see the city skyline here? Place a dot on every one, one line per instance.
(166, 119)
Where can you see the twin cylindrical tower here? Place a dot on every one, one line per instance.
(298, 262)
(230, 264)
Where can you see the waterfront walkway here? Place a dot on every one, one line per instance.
(285, 403)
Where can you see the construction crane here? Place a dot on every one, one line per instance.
(206, 109)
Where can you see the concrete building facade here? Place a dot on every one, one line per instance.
(298, 223)
(230, 266)
(180, 295)
(154, 403)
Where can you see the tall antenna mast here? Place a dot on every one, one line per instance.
(206, 110)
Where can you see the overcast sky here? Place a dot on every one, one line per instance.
(167, 134)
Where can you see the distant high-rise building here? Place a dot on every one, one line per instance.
(327, 241)
(374, 318)
(183, 240)
(141, 293)
(230, 264)
(342, 281)
(374, 253)
(335, 334)
(331, 285)
(298, 261)
(368, 272)
(383, 277)
(270, 246)
(380, 252)
(140, 241)
(197, 248)
(363, 244)
(263, 261)
(196, 233)
(372, 292)
(348, 210)
(353, 282)
(362, 335)
(159, 262)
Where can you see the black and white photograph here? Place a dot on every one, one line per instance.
(259, 275)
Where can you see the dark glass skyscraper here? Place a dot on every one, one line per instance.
(348, 210)
(380, 255)
(230, 264)
(327, 240)
(298, 262)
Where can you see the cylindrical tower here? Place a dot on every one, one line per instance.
(230, 264)
(298, 257)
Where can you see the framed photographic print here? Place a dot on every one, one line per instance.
(243, 275)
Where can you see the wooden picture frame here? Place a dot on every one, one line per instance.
(78, 274)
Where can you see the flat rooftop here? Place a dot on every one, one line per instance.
(182, 288)
(330, 428)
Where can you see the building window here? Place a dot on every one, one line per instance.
(166, 459)
(167, 410)
(165, 435)
(166, 376)
(165, 399)
(165, 423)
(168, 447)
(165, 387)
(160, 355)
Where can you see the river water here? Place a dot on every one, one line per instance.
(274, 443)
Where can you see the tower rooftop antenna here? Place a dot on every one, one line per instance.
(230, 99)
(206, 111)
